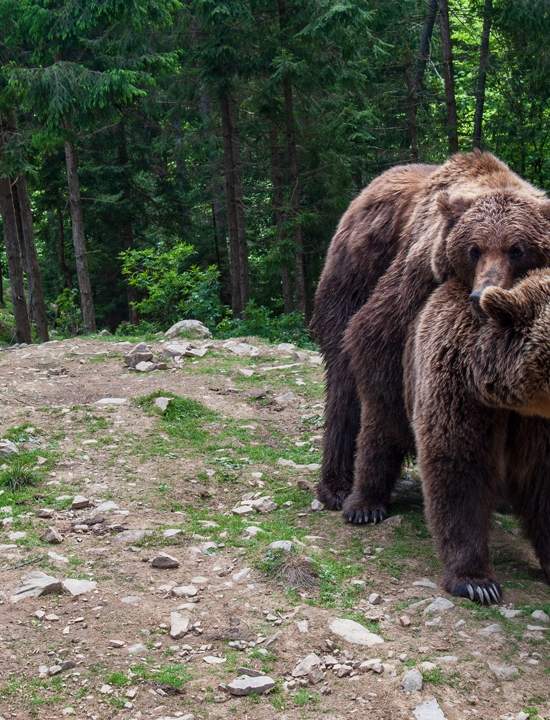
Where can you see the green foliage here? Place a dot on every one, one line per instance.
(170, 287)
(262, 322)
(66, 314)
(18, 475)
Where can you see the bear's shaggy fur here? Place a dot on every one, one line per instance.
(468, 380)
(409, 230)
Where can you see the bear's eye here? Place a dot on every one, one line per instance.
(474, 252)
(515, 252)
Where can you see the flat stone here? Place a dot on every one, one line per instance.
(171, 532)
(185, 591)
(35, 584)
(493, 629)
(246, 685)
(213, 660)
(425, 583)
(163, 561)
(130, 536)
(179, 625)
(145, 366)
(107, 506)
(241, 349)
(137, 649)
(263, 504)
(111, 401)
(7, 447)
(17, 535)
(306, 665)
(428, 710)
(286, 399)
(375, 599)
(80, 502)
(284, 545)
(176, 349)
(509, 613)
(78, 587)
(412, 681)
(354, 633)
(440, 604)
(45, 513)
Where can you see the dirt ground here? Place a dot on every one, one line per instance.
(184, 483)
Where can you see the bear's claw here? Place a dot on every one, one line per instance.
(484, 592)
(365, 516)
(331, 499)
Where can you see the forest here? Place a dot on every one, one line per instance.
(171, 159)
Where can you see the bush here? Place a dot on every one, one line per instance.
(170, 288)
(67, 318)
(260, 321)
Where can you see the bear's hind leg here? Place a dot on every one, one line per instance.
(530, 480)
(381, 448)
(341, 428)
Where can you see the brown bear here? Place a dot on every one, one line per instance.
(403, 235)
(468, 382)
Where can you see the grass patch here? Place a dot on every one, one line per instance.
(18, 475)
(172, 675)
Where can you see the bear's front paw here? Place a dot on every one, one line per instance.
(331, 499)
(359, 511)
(481, 590)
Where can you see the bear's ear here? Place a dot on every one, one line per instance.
(452, 210)
(501, 305)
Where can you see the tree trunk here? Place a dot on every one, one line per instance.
(37, 304)
(482, 74)
(127, 229)
(416, 79)
(2, 301)
(293, 173)
(235, 206)
(63, 267)
(15, 265)
(279, 219)
(79, 240)
(448, 74)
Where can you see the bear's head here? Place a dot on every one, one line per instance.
(521, 318)
(491, 240)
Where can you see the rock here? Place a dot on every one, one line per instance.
(80, 502)
(252, 530)
(241, 575)
(185, 591)
(286, 399)
(306, 665)
(354, 633)
(138, 354)
(111, 402)
(137, 649)
(188, 328)
(241, 349)
(52, 535)
(374, 665)
(492, 629)
(162, 403)
(503, 672)
(176, 349)
(245, 685)
(145, 366)
(45, 513)
(440, 604)
(375, 599)
(404, 620)
(7, 447)
(242, 510)
(425, 583)
(213, 660)
(316, 505)
(412, 681)
(105, 507)
(36, 584)
(263, 504)
(179, 625)
(171, 532)
(163, 561)
(509, 612)
(130, 536)
(428, 710)
(78, 587)
(246, 372)
(284, 545)
(17, 535)
(540, 616)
